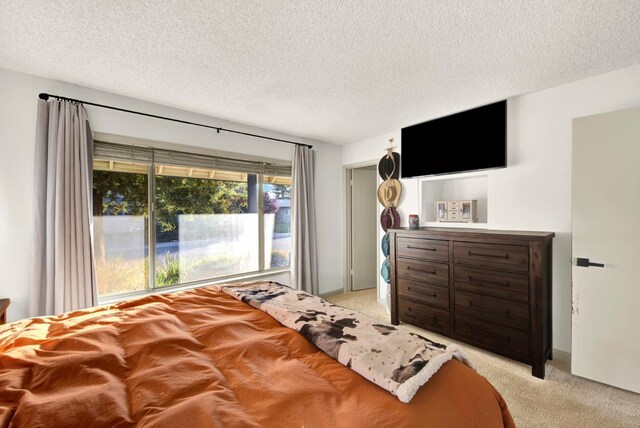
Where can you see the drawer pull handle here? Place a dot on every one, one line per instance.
(431, 272)
(434, 295)
(506, 256)
(497, 336)
(480, 281)
(420, 248)
(487, 312)
(501, 337)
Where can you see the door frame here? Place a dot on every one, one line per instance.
(348, 228)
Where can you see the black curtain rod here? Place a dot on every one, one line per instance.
(45, 96)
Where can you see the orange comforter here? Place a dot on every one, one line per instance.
(200, 358)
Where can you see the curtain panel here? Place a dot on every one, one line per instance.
(62, 269)
(304, 257)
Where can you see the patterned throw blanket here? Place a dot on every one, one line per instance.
(392, 358)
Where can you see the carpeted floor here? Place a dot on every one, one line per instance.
(561, 400)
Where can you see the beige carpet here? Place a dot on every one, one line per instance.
(561, 400)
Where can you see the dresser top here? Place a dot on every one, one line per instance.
(458, 232)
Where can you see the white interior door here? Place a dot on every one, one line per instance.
(364, 247)
(605, 210)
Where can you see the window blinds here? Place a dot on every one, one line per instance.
(148, 155)
(121, 152)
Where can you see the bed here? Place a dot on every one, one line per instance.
(206, 358)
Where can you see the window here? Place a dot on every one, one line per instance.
(277, 221)
(120, 224)
(164, 218)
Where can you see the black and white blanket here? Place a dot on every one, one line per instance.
(391, 357)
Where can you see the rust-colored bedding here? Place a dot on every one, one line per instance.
(200, 358)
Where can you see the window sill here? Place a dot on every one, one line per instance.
(109, 300)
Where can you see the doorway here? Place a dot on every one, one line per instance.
(362, 248)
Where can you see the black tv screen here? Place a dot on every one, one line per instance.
(470, 140)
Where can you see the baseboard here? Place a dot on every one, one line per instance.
(562, 359)
(559, 355)
(331, 293)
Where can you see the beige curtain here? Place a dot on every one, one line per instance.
(62, 271)
(304, 257)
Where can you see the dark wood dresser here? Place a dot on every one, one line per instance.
(488, 288)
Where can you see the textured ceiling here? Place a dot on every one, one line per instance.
(337, 71)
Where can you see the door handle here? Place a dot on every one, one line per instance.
(586, 263)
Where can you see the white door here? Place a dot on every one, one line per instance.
(364, 248)
(605, 211)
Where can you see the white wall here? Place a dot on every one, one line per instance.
(17, 134)
(534, 191)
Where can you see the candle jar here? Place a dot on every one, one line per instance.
(414, 222)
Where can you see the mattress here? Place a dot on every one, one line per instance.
(201, 358)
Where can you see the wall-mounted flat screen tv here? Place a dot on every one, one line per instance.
(470, 140)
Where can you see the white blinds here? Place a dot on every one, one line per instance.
(147, 155)
(121, 152)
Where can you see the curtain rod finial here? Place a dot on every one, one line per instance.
(43, 96)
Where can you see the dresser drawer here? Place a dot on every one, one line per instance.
(493, 309)
(491, 282)
(493, 337)
(425, 249)
(431, 272)
(496, 256)
(454, 205)
(422, 292)
(427, 317)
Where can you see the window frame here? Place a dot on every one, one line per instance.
(140, 154)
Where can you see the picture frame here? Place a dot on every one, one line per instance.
(466, 210)
(441, 211)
